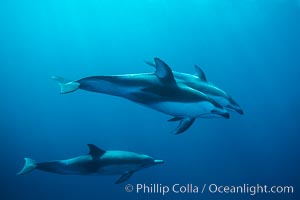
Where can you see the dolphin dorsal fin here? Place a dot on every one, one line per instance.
(200, 73)
(95, 151)
(164, 72)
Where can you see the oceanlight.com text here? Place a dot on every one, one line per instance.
(248, 189)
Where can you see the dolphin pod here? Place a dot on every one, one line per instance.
(183, 96)
(96, 162)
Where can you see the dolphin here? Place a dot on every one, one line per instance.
(199, 82)
(159, 91)
(96, 162)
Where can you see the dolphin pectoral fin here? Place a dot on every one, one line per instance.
(183, 125)
(164, 72)
(150, 63)
(200, 73)
(174, 119)
(124, 177)
(66, 86)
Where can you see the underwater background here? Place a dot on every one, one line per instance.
(249, 48)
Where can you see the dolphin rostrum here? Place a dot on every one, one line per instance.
(96, 162)
(159, 91)
(199, 82)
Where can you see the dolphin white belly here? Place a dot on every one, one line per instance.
(117, 169)
(182, 109)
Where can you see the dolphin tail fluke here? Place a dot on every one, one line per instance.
(183, 125)
(66, 86)
(28, 167)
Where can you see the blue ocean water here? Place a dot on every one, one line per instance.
(249, 48)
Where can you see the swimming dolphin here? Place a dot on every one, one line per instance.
(199, 82)
(159, 91)
(96, 162)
